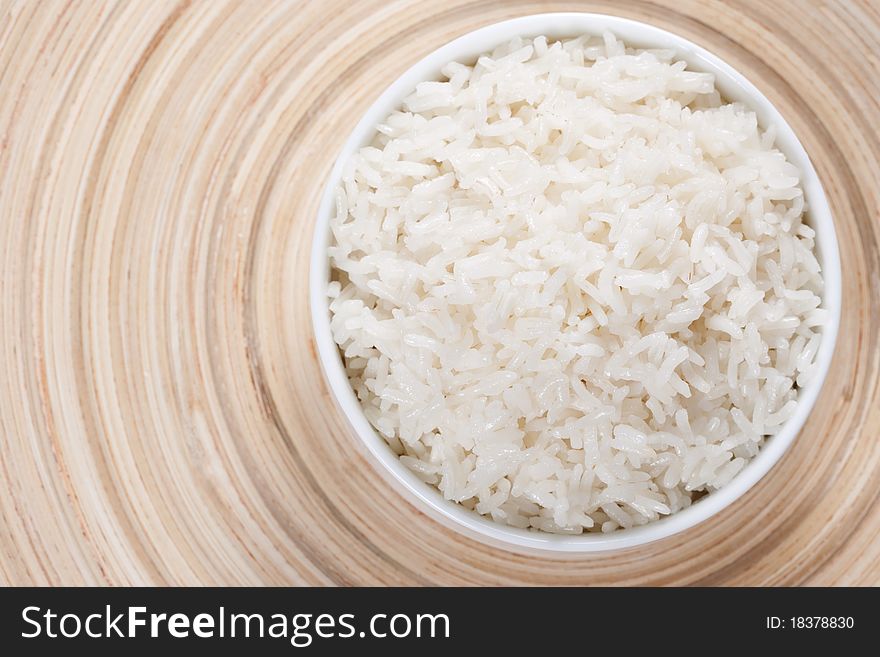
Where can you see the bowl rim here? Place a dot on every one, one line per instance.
(735, 87)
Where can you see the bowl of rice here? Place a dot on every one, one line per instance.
(574, 284)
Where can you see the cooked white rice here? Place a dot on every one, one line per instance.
(572, 286)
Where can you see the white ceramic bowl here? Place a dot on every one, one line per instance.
(734, 87)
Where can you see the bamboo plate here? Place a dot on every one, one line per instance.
(163, 417)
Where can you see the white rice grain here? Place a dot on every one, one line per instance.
(573, 288)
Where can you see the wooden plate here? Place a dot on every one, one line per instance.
(163, 417)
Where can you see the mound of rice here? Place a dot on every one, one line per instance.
(572, 286)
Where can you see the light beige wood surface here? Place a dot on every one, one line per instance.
(163, 418)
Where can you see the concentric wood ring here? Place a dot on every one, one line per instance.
(163, 418)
